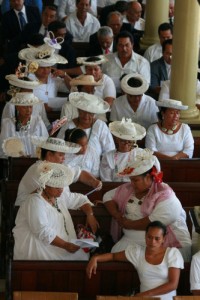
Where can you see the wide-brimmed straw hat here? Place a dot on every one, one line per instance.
(25, 99)
(89, 103)
(44, 55)
(13, 147)
(141, 84)
(101, 59)
(143, 162)
(171, 103)
(85, 80)
(54, 175)
(55, 144)
(127, 130)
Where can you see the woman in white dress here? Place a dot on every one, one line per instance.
(24, 125)
(145, 199)
(195, 274)
(169, 138)
(44, 227)
(126, 133)
(46, 57)
(97, 131)
(158, 266)
(87, 158)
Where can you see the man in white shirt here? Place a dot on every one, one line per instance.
(133, 16)
(165, 32)
(81, 24)
(125, 61)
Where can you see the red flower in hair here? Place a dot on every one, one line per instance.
(126, 171)
(158, 176)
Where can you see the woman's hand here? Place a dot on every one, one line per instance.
(91, 267)
(92, 222)
(97, 184)
(72, 248)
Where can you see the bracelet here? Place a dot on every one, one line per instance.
(90, 214)
(65, 74)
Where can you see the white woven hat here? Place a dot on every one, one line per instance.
(143, 162)
(55, 144)
(25, 99)
(54, 175)
(89, 103)
(85, 80)
(127, 130)
(21, 83)
(125, 84)
(44, 55)
(170, 103)
(13, 147)
(101, 59)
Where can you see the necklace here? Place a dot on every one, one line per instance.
(21, 127)
(169, 131)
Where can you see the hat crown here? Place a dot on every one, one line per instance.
(25, 99)
(126, 127)
(171, 103)
(55, 141)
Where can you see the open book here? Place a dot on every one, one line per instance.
(85, 243)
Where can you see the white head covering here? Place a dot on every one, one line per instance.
(25, 99)
(170, 103)
(141, 89)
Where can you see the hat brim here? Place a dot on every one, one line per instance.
(170, 105)
(134, 90)
(29, 55)
(132, 171)
(140, 132)
(35, 101)
(68, 148)
(24, 84)
(13, 147)
(74, 82)
(82, 61)
(97, 108)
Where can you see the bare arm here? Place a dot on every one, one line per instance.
(87, 178)
(92, 265)
(91, 220)
(58, 242)
(174, 157)
(140, 224)
(112, 208)
(170, 285)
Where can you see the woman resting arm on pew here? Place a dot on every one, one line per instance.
(158, 267)
(145, 199)
(169, 138)
(44, 228)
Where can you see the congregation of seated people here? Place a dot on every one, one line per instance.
(81, 62)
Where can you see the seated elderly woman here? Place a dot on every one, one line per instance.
(195, 275)
(46, 57)
(44, 228)
(158, 266)
(53, 150)
(126, 133)
(134, 205)
(97, 131)
(135, 104)
(19, 82)
(23, 125)
(86, 158)
(169, 138)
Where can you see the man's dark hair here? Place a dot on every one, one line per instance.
(121, 6)
(49, 6)
(165, 43)
(165, 27)
(56, 25)
(124, 34)
(77, 2)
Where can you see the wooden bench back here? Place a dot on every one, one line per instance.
(23, 295)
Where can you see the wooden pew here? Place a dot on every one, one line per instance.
(112, 278)
(186, 170)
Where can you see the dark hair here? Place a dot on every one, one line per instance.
(92, 58)
(56, 25)
(77, 2)
(157, 224)
(159, 114)
(35, 39)
(44, 153)
(165, 27)
(121, 6)
(50, 6)
(75, 134)
(124, 34)
(165, 43)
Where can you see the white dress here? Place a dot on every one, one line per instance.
(195, 272)
(29, 183)
(152, 276)
(90, 161)
(37, 225)
(36, 128)
(169, 212)
(50, 89)
(145, 115)
(66, 7)
(99, 136)
(153, 52)
(81, 33)
(38, 109)
(114, 161)
(136, 64)
(170, 144)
